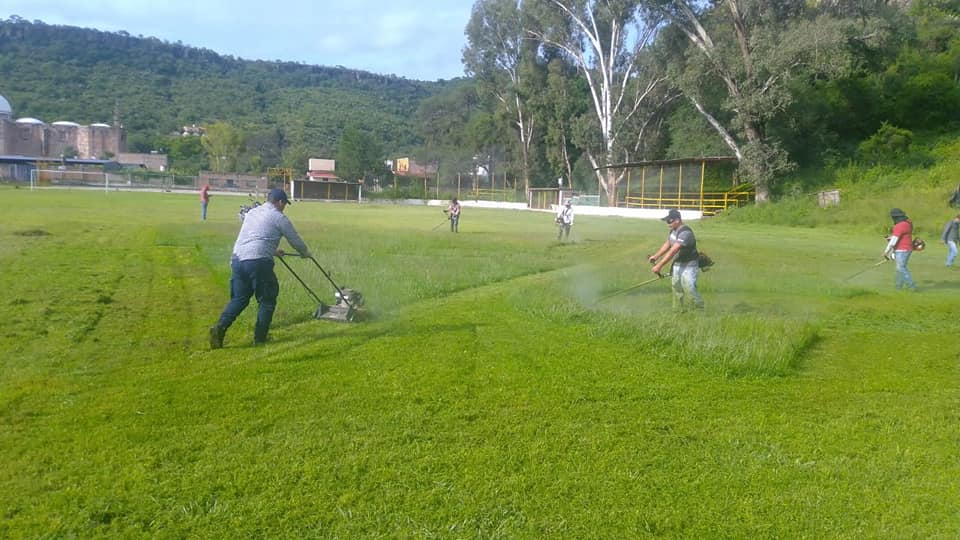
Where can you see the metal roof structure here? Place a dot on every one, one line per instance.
(678, 161)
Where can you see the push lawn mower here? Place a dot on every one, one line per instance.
(347, 304)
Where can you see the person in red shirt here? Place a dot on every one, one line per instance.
(204, 201)
(900, 245)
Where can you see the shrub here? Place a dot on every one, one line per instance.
(888, 142)
(891, 144)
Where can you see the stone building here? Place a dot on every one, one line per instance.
(35, 138)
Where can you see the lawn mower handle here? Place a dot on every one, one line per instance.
(305, 286)
(330, 279)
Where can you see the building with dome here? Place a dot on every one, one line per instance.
(34, 138)
(6, 112)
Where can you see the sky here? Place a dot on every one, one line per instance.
(415, 39)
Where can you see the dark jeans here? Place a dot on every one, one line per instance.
(252, 278)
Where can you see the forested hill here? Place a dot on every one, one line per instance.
(57, 72)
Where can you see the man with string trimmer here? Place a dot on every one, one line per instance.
(681, 249)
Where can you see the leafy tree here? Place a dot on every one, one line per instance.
(297, 157)
(224, 145)
(689, 135)
(922, 87)
(503, 62)
(938, 31)
(359, 156)
(753, 49)
(607, 41)
(565, 99)
(263, 147)
(185, 154)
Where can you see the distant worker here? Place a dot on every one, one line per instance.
(951, 237)
(204, 201)
(681, 248)
(565, 220)
(453, 214)
(252, 263)
(899, 247)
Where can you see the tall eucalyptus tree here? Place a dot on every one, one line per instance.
(501, 59)
(751, 50)
(608, 41)
(564, 100)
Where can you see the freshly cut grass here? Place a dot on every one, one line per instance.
(490, 395)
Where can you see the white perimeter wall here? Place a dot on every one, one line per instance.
(641, 213)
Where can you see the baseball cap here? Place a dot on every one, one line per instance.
(896, 212)
(671, 216)
(277, 194)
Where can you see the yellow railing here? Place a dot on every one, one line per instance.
(710, 203)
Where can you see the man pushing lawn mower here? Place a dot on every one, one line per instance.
(251, 266)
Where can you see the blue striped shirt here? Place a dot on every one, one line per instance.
(261, 231)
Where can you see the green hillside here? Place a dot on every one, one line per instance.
(154, 87)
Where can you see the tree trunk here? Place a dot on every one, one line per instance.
(525, 129)
(611, 177)
(758, 170)
(568, 167)
(607, 178)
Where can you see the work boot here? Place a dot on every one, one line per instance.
(216, 336)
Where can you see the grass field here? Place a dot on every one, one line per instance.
(489, 395)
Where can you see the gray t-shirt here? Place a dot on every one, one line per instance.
(261, 231)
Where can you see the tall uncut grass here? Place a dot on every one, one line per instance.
(867, 193)
(491, 392)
